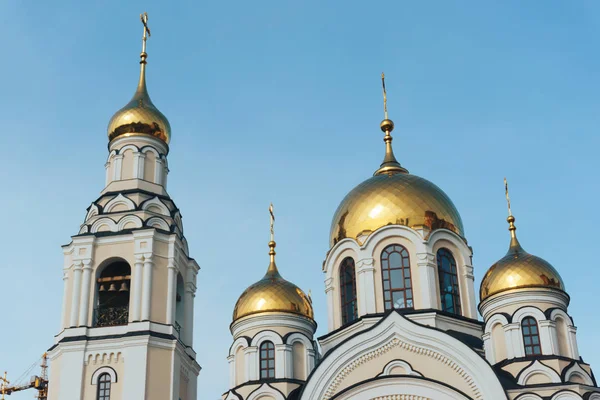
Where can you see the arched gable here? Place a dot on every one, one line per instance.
(266, 335)
(529, 374)
(266, 392)
(396, 337)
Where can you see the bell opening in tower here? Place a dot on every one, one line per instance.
(113, 295)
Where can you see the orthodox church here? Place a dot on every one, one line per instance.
(403, 312)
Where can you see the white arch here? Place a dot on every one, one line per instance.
(157, 222)
(566, 396)
(92, 212)
(493, 320)
(131, 147)
(127, 219)
(112, 226)
(528, 396)
(392, 231)
(528, 312)
(576, 370)
(240, 342)
(402, 364)
(264, 391)
(104, 370)
(298, 337)
(405, 386)
(594, 396)
(119, 200)
(111, 155)
(155, 202)
(445, 234)
(538, 368)
(266, 335)
(149, 149)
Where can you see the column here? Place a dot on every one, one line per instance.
(107, 178)
(136, 290)
(310, 364)
(188, 309)
(488, 348)
(86, 280)
(251, 355)
(158, 171)
(427, 273)
(118, 160)
(366, 285)
(147, 290)
(329, 292)
(514, 340)
(571, 332)
(232, 371)
(282, 369)
(76, 293)
(547, 329)
(468, 293)
(171, 291)
(138, 165)
(64, 320)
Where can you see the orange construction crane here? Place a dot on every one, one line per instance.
(39, 383)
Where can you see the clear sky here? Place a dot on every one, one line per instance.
(281, 102)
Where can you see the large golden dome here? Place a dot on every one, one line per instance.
(140, 117)
(273, 294)
(394, 199)
(519, 269)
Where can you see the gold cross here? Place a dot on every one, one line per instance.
(144, 18)
(272, 222)
(384, 96)
(507, 197)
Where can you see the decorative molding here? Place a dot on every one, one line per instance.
(401, 397)
(104, 370)
(538, 368)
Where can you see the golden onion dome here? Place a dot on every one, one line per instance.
(273, 294)
(140, 117)
(519, 270)
(393, 197)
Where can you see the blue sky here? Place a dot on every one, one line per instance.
(281, 102)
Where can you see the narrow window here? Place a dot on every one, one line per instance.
(267, 360)
(531, 336)
(348, 290)
(448, 277)
(397, 285)
(103, 387)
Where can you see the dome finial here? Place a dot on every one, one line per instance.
(141, 89)
(514, 243)
(389, 165)
(272, 266)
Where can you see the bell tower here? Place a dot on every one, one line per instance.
(126, 331)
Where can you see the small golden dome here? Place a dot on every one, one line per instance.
(273, 294)
(394, 199)
(140, 117)
(519, 269)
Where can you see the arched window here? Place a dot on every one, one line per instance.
(103, 392)
(348, 290)
(531, 336)
(113, 295)
(395, 270)
(448, 277)
(267, 360)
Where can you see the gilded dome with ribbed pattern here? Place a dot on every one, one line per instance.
(273, 294)
(140, 117)
(518, 270)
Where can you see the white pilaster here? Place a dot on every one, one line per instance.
(310, 365)
(138, 165)
(514, 340)
(136, 290)
(64, 320)
(86, 292)
(232, 371)
(158, 171)
(75, 295)
(469, 309)
(488, 348)
(108, 175)
(188, 309)
(251, 355)
(366, 286)
(331, 312)
(147, 289)
(171, 291)
(427, 272)
(135, 370)
(281, 362)
(572, 332)
(118, 164)
(547, 343)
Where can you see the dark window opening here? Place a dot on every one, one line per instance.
(103, 392)
(448, 277)
(267, 360)
(113, 295)
(348, 290)
(531, 337)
